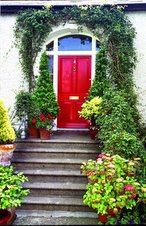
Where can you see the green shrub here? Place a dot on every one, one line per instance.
(11, 190)
(44, 95)
(25, 106)
(118, 131)
(7, 133)
(100, 82)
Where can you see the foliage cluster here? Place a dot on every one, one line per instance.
(31, 29)
(100, 81)
(113, 185)
(11, 190)
(43, 94)
(119, 132)
(24, 105)
(7, 133)
(43, 121)
(91, 109)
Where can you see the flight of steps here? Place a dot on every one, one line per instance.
(55, 182)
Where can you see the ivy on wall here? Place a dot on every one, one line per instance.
(31, 30)
(109, 24)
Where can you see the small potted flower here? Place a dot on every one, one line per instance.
(45, 125)
(90, 111)
(7, 136)
(113, 187)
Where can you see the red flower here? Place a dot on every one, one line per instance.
(133, 196)
(129, 187)
(33, 121)
(49, 116)
(44, 119)
(42, 116)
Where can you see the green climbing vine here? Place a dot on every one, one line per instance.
(109, 24)
(32, 28)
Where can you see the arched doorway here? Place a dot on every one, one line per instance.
(72, 65)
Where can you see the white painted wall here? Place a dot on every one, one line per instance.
(139, 22)
(10, 70)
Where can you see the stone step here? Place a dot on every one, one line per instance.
(42, 152)
(58, 144)
(54, 203)
(43, 175)
(26, 217)
(55, 188)
(53, 169)
(43, 163)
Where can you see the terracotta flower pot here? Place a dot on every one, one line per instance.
(93, 132)
(33, 132)
(44, 134)
(6, 153)
(102, 218)
(7, 216)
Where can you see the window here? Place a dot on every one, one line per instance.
(75, 43)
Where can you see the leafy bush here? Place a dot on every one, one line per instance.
(91, 109)
(118, 132)
(44, 95)
(11, 190)
(7, 133)
(101, 81)
(25, 106)
(113, 184)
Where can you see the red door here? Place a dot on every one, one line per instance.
(74, 80)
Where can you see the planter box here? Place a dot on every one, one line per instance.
(33, 132)
(6, 153)
(7, 216)
(44, 134)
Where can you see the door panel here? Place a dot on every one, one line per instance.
(74, 77)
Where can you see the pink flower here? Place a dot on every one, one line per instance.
(101, 155)
(129, 187)
(91, 173)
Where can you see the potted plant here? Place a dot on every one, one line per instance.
(44, 95)
(113, 187)
(7, 136)
(45, 125)
(26, 110)
(90, 111)
(11, 193)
